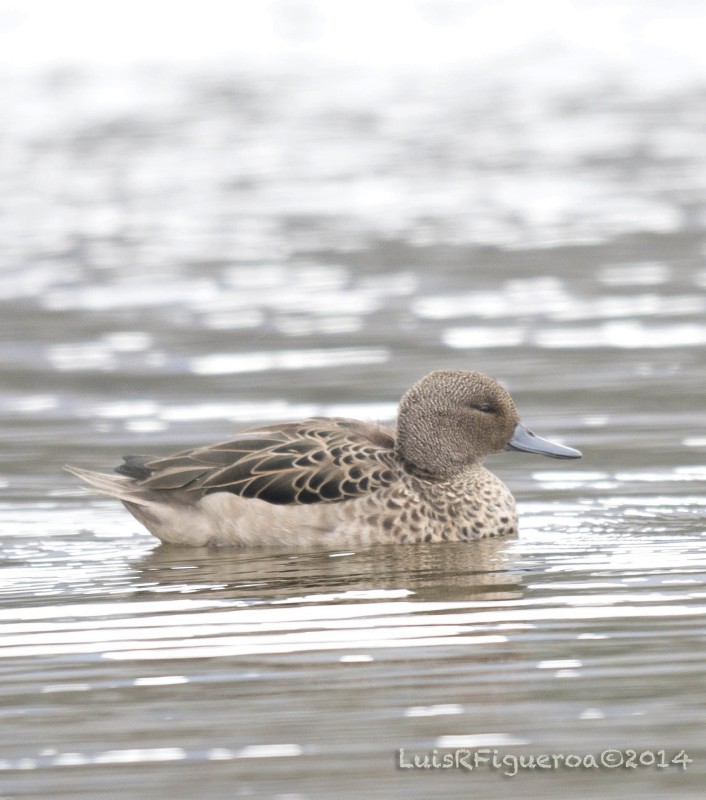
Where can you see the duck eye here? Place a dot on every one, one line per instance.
(485, 408)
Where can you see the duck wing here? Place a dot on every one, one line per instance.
(318, 460)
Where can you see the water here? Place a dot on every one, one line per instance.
(190, 247)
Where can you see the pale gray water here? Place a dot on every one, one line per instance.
(184, 252)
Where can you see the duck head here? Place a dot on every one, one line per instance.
(452, 419)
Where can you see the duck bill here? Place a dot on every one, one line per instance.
(527, 442)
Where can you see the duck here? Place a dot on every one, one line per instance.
(334, 481)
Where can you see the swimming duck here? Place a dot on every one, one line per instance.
(336, 481)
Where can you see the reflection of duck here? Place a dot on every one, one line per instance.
(421, 571)
(340, 481)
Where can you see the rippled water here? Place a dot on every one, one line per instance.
(186, 251)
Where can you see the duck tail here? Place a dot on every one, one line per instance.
(172, 516)
(123, 488)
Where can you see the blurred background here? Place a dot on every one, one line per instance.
(217, 212)
(221, 212)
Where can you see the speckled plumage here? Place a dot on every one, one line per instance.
(335, 481)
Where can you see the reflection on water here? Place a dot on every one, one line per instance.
(551, 640)
(186, 251)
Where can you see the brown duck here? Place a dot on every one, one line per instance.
(335, 481)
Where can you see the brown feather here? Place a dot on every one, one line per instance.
(317, 460)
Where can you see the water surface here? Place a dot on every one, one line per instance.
(189, 251)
